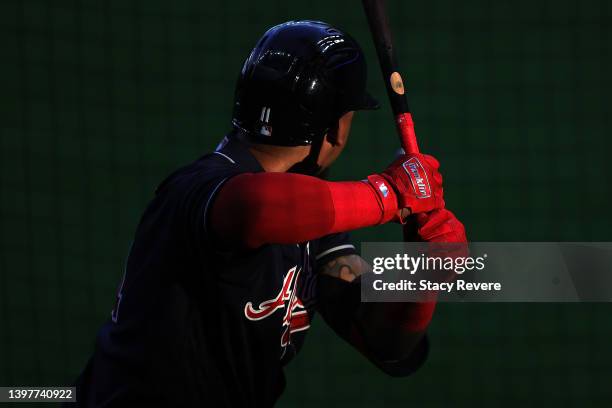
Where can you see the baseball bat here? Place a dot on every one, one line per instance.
(376, 13)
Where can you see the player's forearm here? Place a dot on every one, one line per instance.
(391, 331)
(390, 335)
(283, 208)
(384, 332)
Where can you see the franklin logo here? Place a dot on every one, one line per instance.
(418, 177)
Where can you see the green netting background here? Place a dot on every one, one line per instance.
(101, 99)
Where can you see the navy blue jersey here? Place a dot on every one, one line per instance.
(199, 325)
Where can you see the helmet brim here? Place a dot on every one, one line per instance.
(368, 102)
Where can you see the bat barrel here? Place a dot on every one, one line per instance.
(378, 21)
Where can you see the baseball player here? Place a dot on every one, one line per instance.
(240, 249)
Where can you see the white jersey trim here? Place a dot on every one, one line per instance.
(334, 249)
(226, 156)
(210, 199)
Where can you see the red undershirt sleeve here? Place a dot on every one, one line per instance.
(253, 209)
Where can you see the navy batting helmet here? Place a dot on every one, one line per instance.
(300, 78)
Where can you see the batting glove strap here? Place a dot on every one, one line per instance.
(387, 199)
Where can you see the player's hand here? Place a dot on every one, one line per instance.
(445, 236)
(416, 182)
(439, 225)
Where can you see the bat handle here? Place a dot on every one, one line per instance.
(405, 127)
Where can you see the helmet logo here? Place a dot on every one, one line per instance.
(266, 129)
(396, 83)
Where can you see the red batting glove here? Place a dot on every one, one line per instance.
(447, 234)
(440, 225)
(416, 181)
